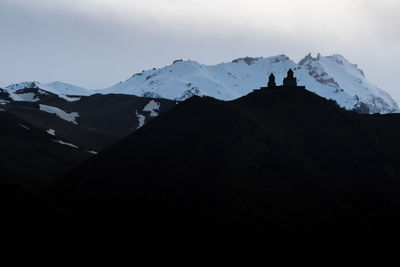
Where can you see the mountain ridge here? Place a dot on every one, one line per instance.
(279, 163)
(92, 122)
(332, 77)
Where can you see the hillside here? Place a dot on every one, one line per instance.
(279, 164)
(31, 156)
(89, 122)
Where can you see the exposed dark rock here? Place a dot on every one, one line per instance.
(248, 60)
(362, 108)
(194, 91)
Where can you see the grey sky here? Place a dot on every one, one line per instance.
(96, 43)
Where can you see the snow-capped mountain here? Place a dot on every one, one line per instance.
(344, 82)
(332, 77)
(58, 88)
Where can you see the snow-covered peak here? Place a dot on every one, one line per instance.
(344, 82)
(184, 79)
(34, 91)
(58, 88)
(65, 89)
(332, 77)
(248, 60)
(22, 85)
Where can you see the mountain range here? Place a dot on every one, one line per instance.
(332, 77)
(150, 160)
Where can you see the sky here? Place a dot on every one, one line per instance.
(97, 43)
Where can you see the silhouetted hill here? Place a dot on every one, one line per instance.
(279, 164)
(31, 156)
(99, 120)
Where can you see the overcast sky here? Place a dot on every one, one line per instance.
(97, 43)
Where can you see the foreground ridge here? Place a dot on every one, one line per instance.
(280, 164)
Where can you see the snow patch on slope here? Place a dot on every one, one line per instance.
(70, 99)
(28, 97)
(51, 132)
(65, 143)
(43, 92)
(71, 117)
(23, 126)
(153, 107)
(141, 119)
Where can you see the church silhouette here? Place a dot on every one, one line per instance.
(289, 82)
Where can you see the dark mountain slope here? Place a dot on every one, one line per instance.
(338, 142)
(101, 121)
(83, 137)
(279, 164)
(29, 155)
(22, 207)
(112, 114)
(115, 114)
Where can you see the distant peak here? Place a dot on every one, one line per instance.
(23, 85)
(282, 56)
(57, 83)
(343, 61)
(338, 56)
(184, 61)
(248, 60)
(61, 84)
(279, 58)
(339, 59)
(176, 61)
(309, 57)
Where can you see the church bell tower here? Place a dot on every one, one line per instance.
(290, 80)
(271, 82)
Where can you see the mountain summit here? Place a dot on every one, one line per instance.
(58, 88)
(331, 77)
